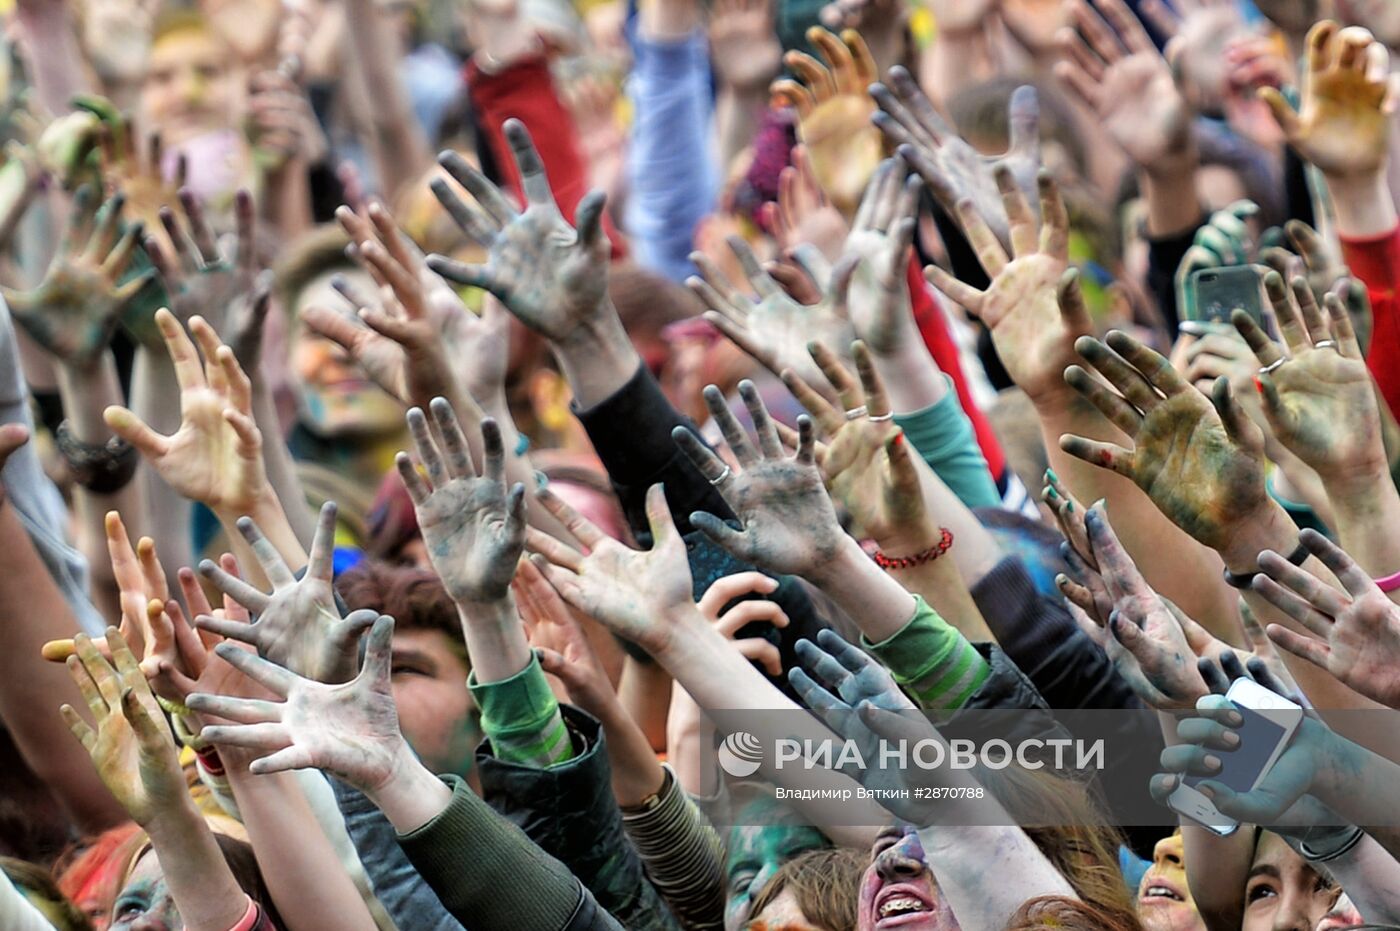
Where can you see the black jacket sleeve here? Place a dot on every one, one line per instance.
(1163, 258)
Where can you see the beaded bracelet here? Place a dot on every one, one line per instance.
(945, 542)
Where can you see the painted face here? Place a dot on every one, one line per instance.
(436, 712)
(335, 398)
(756, 850)
(1282, 892)
(1164, 899)
(782, 914)
(897, 892)
(190, 87)
(145, 902)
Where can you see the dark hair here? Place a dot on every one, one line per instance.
(34, 878)
(825, 883)
(413, 597)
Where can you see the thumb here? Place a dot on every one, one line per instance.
(134, 430)
(904, 477)
(1284, 114)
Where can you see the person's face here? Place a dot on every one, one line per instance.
(145, 902)
(1282, 892)
(116, 38)
(436, 712)
(190, 87)
(755, 853)
(335, 398)
(897, 890)
(1164, 899)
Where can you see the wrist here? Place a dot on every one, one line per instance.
(596, 357)
(1362, 203)
(264, 508)
(912, 378)
(408, 795)
(1273, 530)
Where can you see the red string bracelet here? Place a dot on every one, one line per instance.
(945, 542)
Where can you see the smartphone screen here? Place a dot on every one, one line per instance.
(1242, 766)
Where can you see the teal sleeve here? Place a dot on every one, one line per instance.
(520, 716)
(944, 437)
(932, 660)
(1302, 514)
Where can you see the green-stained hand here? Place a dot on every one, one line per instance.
(75, 308)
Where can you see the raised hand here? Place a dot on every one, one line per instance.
(743, 43)
(1319, 399)
(350, 730)
(473, 526)
(833, 112)
(1203, 31)
(551, 275)
(199, 278)
(1357, 629)
(724, 590)
(215, 457)
(770, 325)
(634, 593)
(74, 310)
(1224, 239)
(802, 216)
(953, 170)
(1033, 306)
(789, 524)
(1323, 268)
(866, 465)
(1200, 460)
(297, 624)
(281, 123)
(130, 745)
(1126, 82)
(880, 238)
(1348, 93)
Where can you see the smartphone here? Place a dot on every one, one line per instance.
(1216, 292)
(1269, 723)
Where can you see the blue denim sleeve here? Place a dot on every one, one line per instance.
(405, 895)
(672, 178)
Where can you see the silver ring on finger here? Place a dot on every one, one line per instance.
(856, 413)
(722, 476)
(882, 418)
(1327, 344)
(1272, 366)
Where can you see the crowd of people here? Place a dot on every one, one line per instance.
(403, 542)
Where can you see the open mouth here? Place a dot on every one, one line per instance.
(901, 905)
(1157, 892)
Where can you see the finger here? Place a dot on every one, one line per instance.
(588, 220)
(413, 483)
(1260, 343)
(1282, 110)
(1298, 594)
(188, 372)
(828, 417)
(700, 456)
(557, 552)
(533, 182)
(877, 403)
(152, 572)
(763, 283)
(1237, 423)
(1111, 404)
(265, 673)
(862, 61)
(271, 561)
(819, 80)
(1313, 321)
(1123, 376)
(425, 447)
(237, 710)
(1342, 330)
(1105, 455)
(1024, 235)
(80, 728)
(469, 220)
(966, 295)
(760, 652)
(1314, 651)
(208, 342)
(795, 96)
(1353, 578)
(86, 687)
(583, 529)
(729, 426)
(720, 533)
(768, 443)
(727, 588)
(234, 587)
(1154, 366)
(848, 390)
(476, 184)
(984, 242)
(659, 520)
(320, 563)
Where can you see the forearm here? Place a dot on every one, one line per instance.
(1363, 205)
(1365, 515)
(286, 201)
(1169, 194)
(912, 379)
(281, 468)
(963, 857)
(955, 61)
(86, 393)
(268, 514)
(642, 690)
(402, 149)
(1371, 877)
(738, 114)
(59, 70)
(31, 690)
(199, 879)
(303, 874)
(878, 604)
(495, 638)
(153, 385)
(598, 358)
(636, 773)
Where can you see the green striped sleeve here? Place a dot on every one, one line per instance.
(520, 716)
(932, 660)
